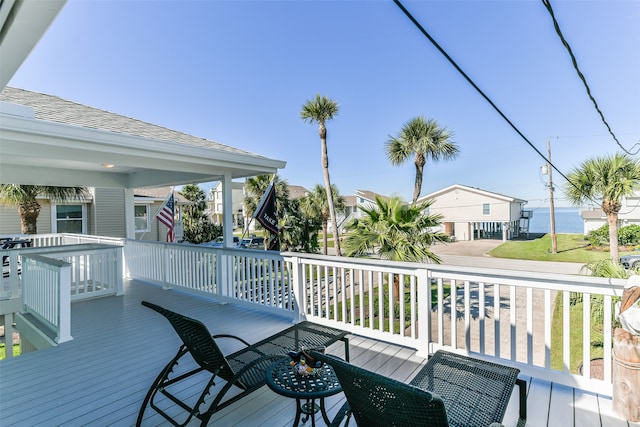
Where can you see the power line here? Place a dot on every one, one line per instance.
(547, 5)
(471, 82)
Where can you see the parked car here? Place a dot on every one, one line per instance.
(630, 261)
(252, 243)
(218, 242)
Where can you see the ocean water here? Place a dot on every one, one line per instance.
(568, 220)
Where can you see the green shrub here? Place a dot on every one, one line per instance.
(629, 235)
(599, 237)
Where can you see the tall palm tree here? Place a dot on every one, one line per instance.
(315, 205)
(25, 198)
(608, 179)
(423, 139)
(320, 110)
(395, 231)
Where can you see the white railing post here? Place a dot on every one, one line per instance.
(299, 300)
(424, 305)
(64, 298)
(119, 267)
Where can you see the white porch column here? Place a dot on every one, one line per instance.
(129, 213)
(227, 210)
(505, 230)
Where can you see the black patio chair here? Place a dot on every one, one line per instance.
(375, 400)
(243, 371)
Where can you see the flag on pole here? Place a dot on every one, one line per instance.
(267, 215)
(166, 216)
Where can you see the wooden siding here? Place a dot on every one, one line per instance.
(10, 219)
(462, 205)
(100, 377)
(107, 213)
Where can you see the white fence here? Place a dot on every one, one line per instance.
(520, 318)
(42, 281)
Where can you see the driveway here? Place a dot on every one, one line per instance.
(474, 254)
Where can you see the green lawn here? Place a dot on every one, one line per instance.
(575, 319)
(571, 248)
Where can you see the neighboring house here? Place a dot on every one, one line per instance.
(354, 205)
(101, 213)
(215, 204)
(297, 191)
(470, 213)
(629, 214)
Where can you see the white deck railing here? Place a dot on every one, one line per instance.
(46, 295)
(520, 318)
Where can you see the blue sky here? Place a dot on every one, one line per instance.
(238, 72)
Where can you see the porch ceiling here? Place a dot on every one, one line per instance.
(36, 152)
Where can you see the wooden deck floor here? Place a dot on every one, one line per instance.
(100, 378)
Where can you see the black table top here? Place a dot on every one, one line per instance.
(282, 379)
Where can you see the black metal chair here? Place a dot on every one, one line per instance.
(375, 400)
(243, 371)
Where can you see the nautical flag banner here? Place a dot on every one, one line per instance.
(166, 216)
(267, 215)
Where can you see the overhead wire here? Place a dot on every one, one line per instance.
(472, 83)
(547, 5)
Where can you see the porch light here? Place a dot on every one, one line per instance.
(107, 165)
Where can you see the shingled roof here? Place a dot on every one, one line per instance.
(56, 109)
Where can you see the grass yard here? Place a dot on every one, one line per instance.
(575, 318)
(571, 248)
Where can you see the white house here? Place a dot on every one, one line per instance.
(215, 204)
(629, 214)
(470, 213)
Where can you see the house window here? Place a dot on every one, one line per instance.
(70, 219)
(141, 214)
(486, 209)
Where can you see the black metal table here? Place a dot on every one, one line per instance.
(282, 379)
(474, 391)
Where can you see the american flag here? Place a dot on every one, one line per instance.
(165, 216)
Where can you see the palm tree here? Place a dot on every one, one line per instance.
(395, 231)
(198, 228)
(423, 139)
(315, 205)
(320, 110)
(298, 232)
(609, 179)
(25, 198)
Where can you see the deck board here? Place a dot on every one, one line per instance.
(100, 377)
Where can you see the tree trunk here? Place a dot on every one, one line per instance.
(327, 183)
(396, 290)
(612, 219)
(419, 162)
(325, 238)
(29, 212)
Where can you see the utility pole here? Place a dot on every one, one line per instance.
(552, 215)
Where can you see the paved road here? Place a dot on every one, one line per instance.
(474, 254)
